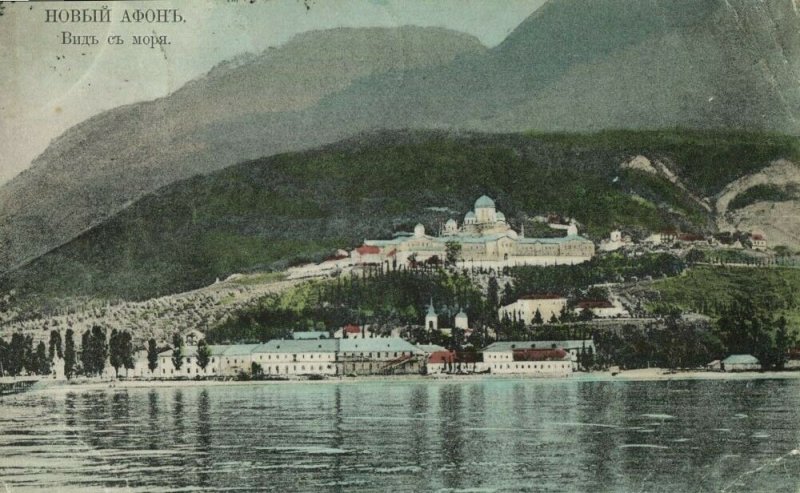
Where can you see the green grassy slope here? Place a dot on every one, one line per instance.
(709, 290)
(270, 212)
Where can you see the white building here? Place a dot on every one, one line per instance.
(524, 358)
(379, 355)
(602, 308)
(297, 357)
(485, 238)
(525, 308)
(237, 359)
(189, 367)
(462, 321)
(740, 362)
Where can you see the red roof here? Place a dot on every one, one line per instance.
(690, 237)
(441, 357)
(532, 354)
(758, 237)
(368, 249)
(352, 329)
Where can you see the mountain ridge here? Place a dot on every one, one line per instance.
(571, 66)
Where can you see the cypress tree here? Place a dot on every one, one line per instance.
(69, 354)
(152, 355)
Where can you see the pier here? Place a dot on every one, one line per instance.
(9, 387)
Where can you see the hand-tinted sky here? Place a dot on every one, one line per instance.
(48, 86)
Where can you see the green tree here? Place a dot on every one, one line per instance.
(29, 360)
(452, 252)
(99, 349)
(492, 295)
(115, 356)
(537, 318)
(55, 348)
(152, 355)
(256, 371)
(69, 354)
(43, 366)
(94, 350)
(782, 343)
(203, 354)
(177, 351)
(126, 350)
(16, 352)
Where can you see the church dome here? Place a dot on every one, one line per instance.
(484, 202)
(500, 217)
(419, 230)
(450, 224)
(461, 314)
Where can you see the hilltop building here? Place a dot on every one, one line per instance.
(524, 309)
(485, 239)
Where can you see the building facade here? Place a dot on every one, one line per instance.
(525, 308)
(484, 238)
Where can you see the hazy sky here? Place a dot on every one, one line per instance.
(49, 86)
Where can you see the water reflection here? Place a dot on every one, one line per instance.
(452, 435)
(493, 434)
(203, 446)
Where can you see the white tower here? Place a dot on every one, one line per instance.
(431, 319)
(462, 322)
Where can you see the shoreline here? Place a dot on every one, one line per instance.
(639, 375)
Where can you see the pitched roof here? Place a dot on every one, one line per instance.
(368, 249)
(351, 329)
(191, 351)
(430, 348)
(239, 349)
(310, 334)
(439, 357)
(299, 346)
(741, 359)
(376, 344)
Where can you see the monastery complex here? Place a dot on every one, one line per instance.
(485, 238)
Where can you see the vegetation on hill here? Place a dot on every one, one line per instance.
(272, 212)
(380, 299)
(711, 290)
(765, 192)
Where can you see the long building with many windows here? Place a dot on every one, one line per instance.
(484, 237)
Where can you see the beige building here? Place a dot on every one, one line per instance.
(524, 358)
(525, 308)
(297, 357)
(485, 239)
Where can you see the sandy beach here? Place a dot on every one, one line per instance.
(645, 374)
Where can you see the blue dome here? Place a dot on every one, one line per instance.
(484, 202)
(470, 215)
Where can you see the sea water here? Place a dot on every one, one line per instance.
(482, 435)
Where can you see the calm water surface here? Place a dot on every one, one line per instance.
(487, 435)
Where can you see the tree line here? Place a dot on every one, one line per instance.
(19, 355)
